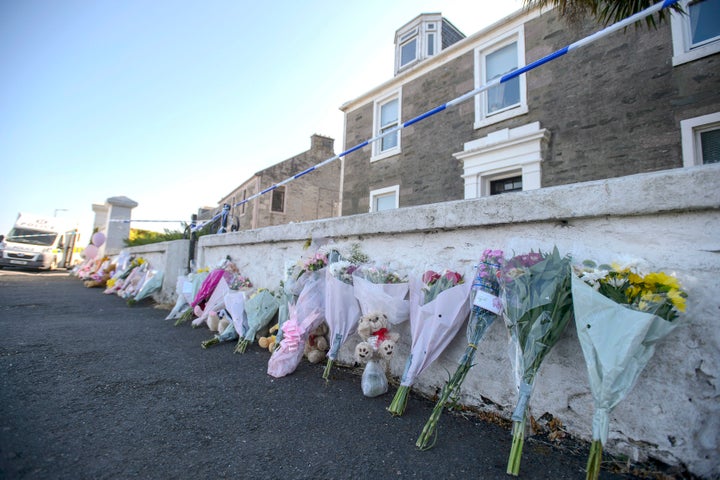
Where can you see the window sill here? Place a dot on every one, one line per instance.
(493, 119)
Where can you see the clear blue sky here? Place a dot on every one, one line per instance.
(173, 103)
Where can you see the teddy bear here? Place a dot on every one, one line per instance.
(317, 346)
(377, 339)
(269, 341)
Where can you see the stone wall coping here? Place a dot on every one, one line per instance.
(679, 190)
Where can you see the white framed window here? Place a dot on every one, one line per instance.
(697, 33)
(418, 40)
(494, 60)
(385, 198)
(701, 140)
(408, 48)
(386, 117)
(504, 161)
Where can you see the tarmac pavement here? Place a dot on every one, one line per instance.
(95, 389)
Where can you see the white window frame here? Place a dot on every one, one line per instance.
(377, 153)
(382, 192)
(481, 118)
(426, 30)
(690, 130)
(683, 51)
(406, 38)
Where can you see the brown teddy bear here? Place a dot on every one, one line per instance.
(377, 338)
(317, 346)
(269, 341)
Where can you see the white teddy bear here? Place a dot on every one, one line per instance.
(377, 338)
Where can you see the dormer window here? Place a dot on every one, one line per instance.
(423, 38)
(408, 48)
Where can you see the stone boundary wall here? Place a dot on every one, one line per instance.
(668, 220)
(168, 257)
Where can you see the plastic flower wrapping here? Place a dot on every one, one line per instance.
(260, 309)
(537, 305)
(620, 315)
(342, 310)
(286, 295)
(485, 308)
(304, 317)
(214, 303)
(383, 298)
(438, 307)
(151, 284)
(189, 289)
(226, 330)
(380, 289)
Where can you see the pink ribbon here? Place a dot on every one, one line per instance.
(291, 334)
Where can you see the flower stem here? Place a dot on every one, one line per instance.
(513, 467)
(328, 366)
(241, 346)
(594, 460)
(427, 438)
(185, 317)
(399, 401)
(210, 343)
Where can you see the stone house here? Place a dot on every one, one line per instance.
(310, 197)
(639, 100)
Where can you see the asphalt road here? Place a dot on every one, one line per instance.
(92, 389)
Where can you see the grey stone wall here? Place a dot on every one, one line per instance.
(613, 109)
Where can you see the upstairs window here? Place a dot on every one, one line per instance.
(493, 61)
(387, 117)
(408, 48)
(278, 200)
(696, 34)
(418, 40)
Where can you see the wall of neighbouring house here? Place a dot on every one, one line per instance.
(612, 108)
(667, 220)
(307, 198)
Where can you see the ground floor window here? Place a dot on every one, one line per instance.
(701, 140)
(505, 185)
(384, 198)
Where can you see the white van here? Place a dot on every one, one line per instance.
(38, 242)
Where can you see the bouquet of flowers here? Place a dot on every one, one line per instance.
(235, 308)
(286, 296)
(379, 289)
(486, 306)
(438, 307)
(214, 303)
(342, 310)
(260, 309)
(151, 284)
(189, 290)
(132, 282)
(537, 305)
(620, 315)
(226, 331)
(382, 296)
(304, 317)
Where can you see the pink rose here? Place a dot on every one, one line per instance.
(453, 277)
(430, 276)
